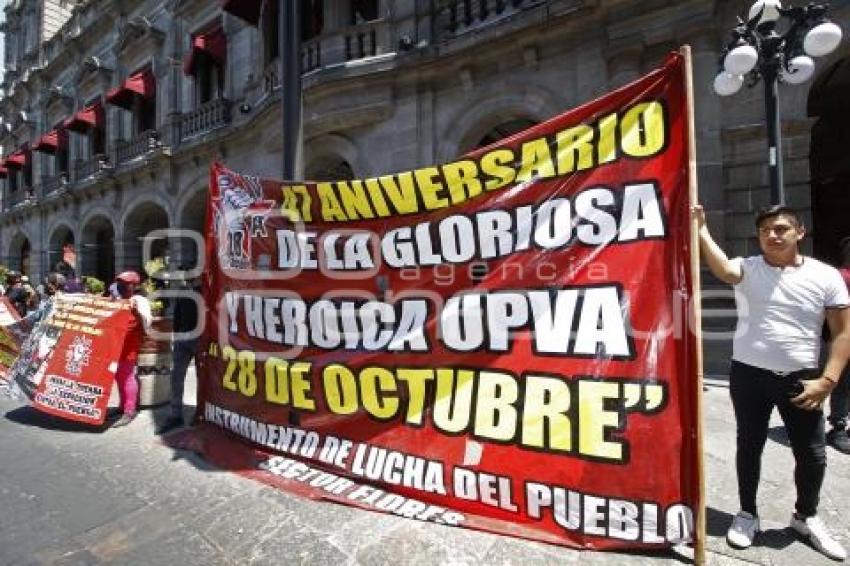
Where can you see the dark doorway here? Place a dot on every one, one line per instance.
(830, 168)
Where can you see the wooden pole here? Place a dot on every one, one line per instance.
(695, 306)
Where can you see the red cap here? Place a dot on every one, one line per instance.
(129, 277)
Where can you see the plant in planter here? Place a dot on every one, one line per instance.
(150, 285)
(93, 285)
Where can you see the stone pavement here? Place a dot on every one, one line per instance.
(72, 496)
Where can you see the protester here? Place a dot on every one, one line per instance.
(112, 291)
(32, 296)
(782, 299)
(53, 283)
(185, 321)
(839, 401)
(73, 284)
(125, 376)
(16, 293)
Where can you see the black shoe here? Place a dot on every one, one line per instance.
(173, 423)
(125, 419)
(839, 439)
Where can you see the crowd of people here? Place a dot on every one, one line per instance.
(32, 302)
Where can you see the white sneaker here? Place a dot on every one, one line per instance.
(814, 531)
(743, 530)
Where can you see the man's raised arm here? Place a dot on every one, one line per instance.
(720, 265)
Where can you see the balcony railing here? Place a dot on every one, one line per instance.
(361, 41)
(207, 117)
(455, 17)
(85, 168)
(52, 183)
(20, 196)
(144, 143)
(311, 54)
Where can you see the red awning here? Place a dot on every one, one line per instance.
(141, 84)
(52, 141)
(3, 172)
(19, 159)
(248, 10)
(89, 117)
(212, 44)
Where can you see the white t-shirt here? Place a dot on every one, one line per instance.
(781, 312)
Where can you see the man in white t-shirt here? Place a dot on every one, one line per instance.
(782, 300)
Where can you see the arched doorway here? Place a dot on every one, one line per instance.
(504, 130)
(142, 220)
(61, 247)
(329, 168)
(192, 217)
(26, 252)
(19, 253)
(830, 168)
(97, 249)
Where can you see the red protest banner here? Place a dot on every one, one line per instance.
(8, 313)
(78, 356)
(500, 342)
(12, 334)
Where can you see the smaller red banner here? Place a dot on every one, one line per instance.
(142, 84)
(52, 141)
(81, 364)
(91, 116)
(212, 44)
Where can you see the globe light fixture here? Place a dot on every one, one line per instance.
(822, 39)
(775, 45)
(765, 11)
(798, 71)
(727, 84)
(741, 60)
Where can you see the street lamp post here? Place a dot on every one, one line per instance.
(775, 45)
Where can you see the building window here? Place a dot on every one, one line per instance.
(271, 38)
(363, 11)
(206, 62)
(144, 115)
(312, 19)
(97, 142)
(90, 122)
(137, 94)
(62, 161)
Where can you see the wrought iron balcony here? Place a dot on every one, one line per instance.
(207, 117)
(20, 197)
(360, 41)
(85, 168)
(52, 183)
(142, 144)
(311, 54)
(455, 17)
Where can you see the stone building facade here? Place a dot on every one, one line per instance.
(109, 122)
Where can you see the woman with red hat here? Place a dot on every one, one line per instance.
(125, 376)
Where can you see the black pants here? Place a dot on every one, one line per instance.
(839, 402)
(755, 392)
